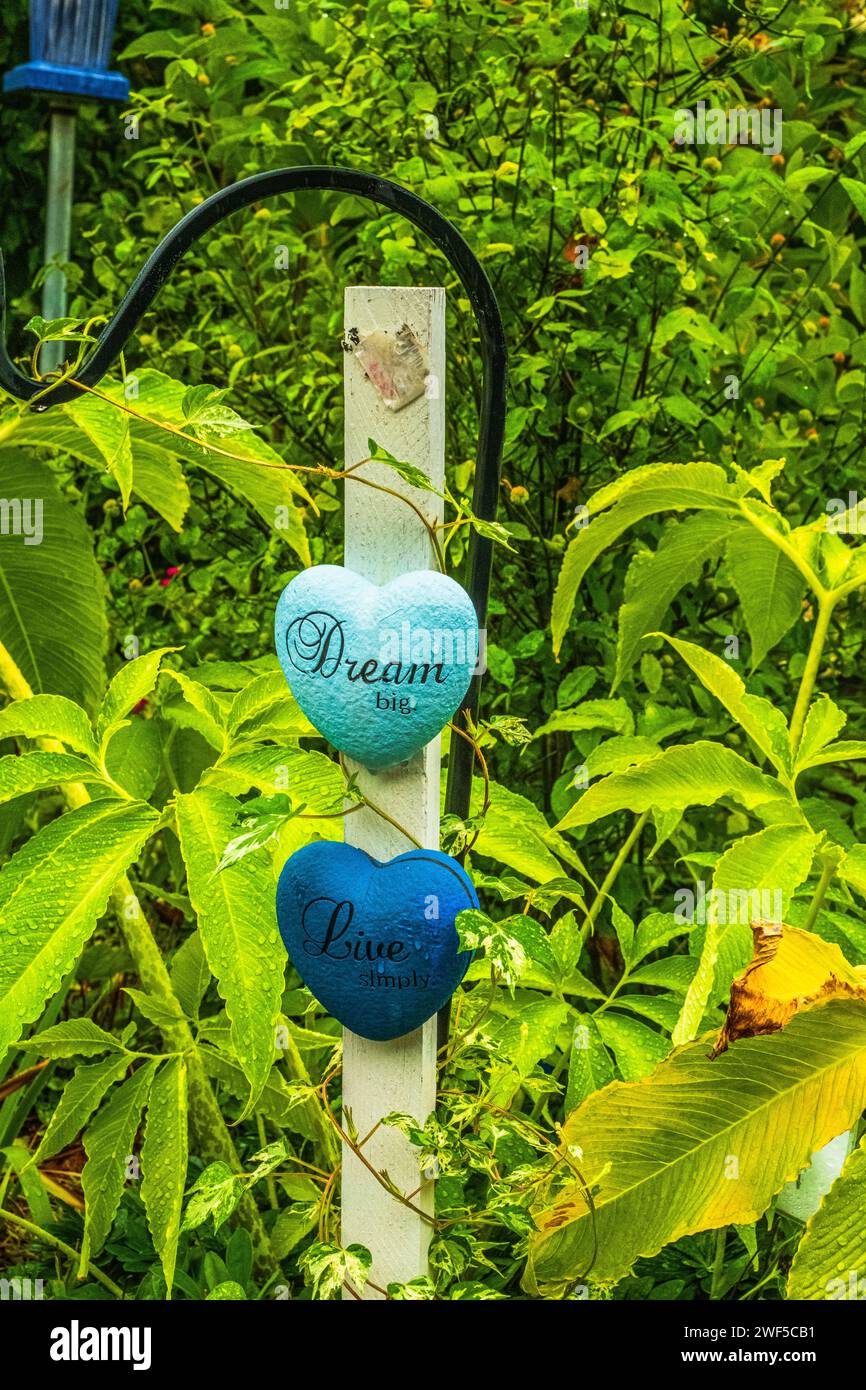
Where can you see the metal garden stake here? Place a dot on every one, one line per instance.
(70, 44)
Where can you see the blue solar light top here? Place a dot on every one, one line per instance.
(70, 48)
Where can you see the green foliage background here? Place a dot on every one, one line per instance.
(719, 317)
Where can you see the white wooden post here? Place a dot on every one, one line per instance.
(384, 538)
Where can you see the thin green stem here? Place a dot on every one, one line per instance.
(827, 872)
(271, 1186)
(612, 875)
(826, 605)
(718, 1263)
(61, 1245)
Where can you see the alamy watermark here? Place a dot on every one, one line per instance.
(22, 516)
(711, 125)
(846, 517)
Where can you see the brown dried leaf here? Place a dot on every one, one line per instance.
(791, 970)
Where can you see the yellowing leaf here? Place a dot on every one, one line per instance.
(791, 969)
(699, 1144)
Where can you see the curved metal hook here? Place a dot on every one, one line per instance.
(158, 267)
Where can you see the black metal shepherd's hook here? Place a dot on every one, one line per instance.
(159, 265)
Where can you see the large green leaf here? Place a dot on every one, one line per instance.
(655, 578)
(308, 777)
(238, 924)
(107, 428)
(769, 586)
(823, 722)
(762, 721)
(694, 774)
(846, 750)
(52, 892)
(33, 772)
(700, 1144)
(108, 1143)
(49, 716)
(646, 492)
(164, 1160)
(832, 1254)
(516, 833)
(589, 1063)
(52, 606)
(74, 1037)
(156, 475)
(158, 480)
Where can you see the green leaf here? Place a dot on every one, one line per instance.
(327, 1268)
(769, 586)
(643, 492)
(516, 833)
(229, 1290)
(856, 190)
(81, 1095)
(521, 1043)
(295, 1222)
(590, 714)
(215, 1193)
(407, 471)
(209, 718)
(266, 708)
(589, 1063)
(52, 893)
(637, 1048)
(853, 868)
(618, 753)
(128, 687)
(30, 1181)
(694, 774)
(235, 910)
(284, 1104)
(75, 1037)
(108, 1143)
(661, 1169)
(108, 428)
(259, 476)
(164, 1013)
(52, 606)
(164, 1161)
(764, 722)
(656, 930)
(832, 1246)
(655, 578)
(49, 716)
(304, 775)
(846, 750)
(777, 859)
(823, 722)
(190, 975)
(34, 772)
(159, 482)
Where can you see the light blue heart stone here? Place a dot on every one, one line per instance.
(375, 943)
(378, 670)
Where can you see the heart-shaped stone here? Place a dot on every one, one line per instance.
(378, 671)
(375, 943)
